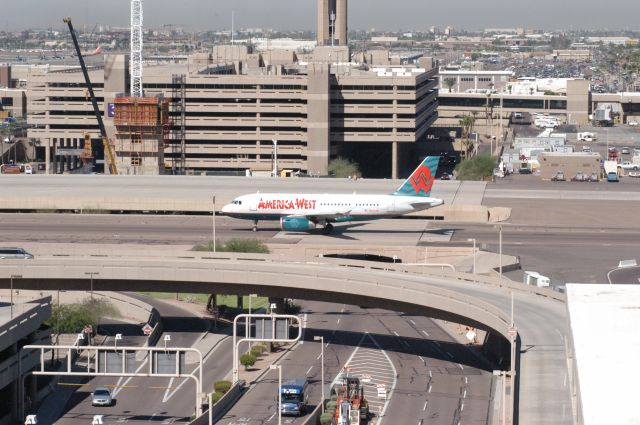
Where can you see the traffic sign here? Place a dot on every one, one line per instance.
(512, 331)
(147, 329)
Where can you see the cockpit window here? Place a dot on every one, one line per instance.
(237, 202)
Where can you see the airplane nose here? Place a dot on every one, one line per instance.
(225, 209)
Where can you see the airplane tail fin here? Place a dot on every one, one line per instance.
(421, 180)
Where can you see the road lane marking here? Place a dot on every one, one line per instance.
(425, 332)
(462, 407)
(450, 355)
(412, 322)
(430, 374)
(425, 406)
(465, 394)
(395, 333)
(466, 380)
(430, 387)
(338, 322)
(271, 417)
(167, 391)
(423, 360)
(309, 370)
(461, 367)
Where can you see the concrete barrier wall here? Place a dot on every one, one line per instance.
(223, 405)
(313, 418)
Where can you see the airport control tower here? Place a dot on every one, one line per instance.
(332, 23)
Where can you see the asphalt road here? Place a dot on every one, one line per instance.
(163, 400)
(555, 245)
(428, 377)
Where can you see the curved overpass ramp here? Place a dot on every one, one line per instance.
(539, 315)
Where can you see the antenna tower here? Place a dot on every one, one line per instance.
(136, 48)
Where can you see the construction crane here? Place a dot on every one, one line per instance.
(108, 152)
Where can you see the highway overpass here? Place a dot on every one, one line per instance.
(540, 315)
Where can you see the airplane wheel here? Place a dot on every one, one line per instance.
(327, 229)
(255, 226)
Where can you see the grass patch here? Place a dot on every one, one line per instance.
(230, 301)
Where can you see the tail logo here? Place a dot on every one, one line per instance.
(422, 179)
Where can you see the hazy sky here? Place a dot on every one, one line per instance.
(300, 14)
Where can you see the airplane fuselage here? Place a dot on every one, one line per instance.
(326, 207)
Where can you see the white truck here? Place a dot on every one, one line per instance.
(587, 137)
(628, 165)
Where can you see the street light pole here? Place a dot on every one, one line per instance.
(321, 339)
(275, 157)
(91, 274)
(279, 367)
(500, 252)
(474, 255)
(213, 219)
(13, 276)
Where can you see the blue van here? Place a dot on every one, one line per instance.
(293, 397)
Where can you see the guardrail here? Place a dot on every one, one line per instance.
(417, 269)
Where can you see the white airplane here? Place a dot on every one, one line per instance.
(303, 212)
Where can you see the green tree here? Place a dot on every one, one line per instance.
(477, 168)
(342, 168)
(450, 82)
(71, 318)
(248, 360)
(222, 386)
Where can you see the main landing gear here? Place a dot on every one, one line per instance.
(255, 225)
(328, 228)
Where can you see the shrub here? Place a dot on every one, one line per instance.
(257, 350)
(477, 168)
(245, 245)
(342, 167)
(247, 360)
(331, 405)
(222, 386)
(215, 397)
(326, 418)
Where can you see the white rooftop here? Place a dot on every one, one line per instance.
(604, 324)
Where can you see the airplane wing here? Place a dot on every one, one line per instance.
(328, 216)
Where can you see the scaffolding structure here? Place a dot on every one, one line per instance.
(142, 126)
(178, 128)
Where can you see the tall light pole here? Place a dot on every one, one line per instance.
(13, 276)
(474, 255)
(499, 227)
(321, 339)
(275, 157)
(279, 367)
(213, 219)
(91, 274)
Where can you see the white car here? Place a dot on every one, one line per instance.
(634, 173)
(632, 123)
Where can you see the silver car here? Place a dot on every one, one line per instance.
(101, 397)
(14, 254)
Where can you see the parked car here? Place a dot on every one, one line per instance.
(634, 174)
(101, 397)
(625, 151)
(594, 177)
(445, 176)
(559, 177)
(632, 123)
(579, 177)
(586, 149)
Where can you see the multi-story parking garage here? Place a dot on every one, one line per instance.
(316, 106)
